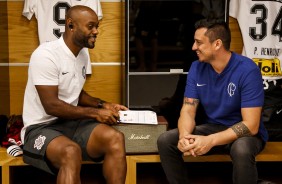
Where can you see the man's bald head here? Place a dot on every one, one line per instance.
(75, 11)
(79, 14)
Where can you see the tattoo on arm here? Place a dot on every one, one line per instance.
(190, 101)
(241, 130)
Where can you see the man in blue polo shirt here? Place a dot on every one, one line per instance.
(230, 89)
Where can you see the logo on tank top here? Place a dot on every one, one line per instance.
(39, 142)
(231, 89)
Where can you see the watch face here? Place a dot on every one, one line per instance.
(100, 104)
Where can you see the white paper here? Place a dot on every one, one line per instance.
(138, 117)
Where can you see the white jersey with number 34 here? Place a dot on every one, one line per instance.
(260, 22)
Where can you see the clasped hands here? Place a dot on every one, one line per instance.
(194, 145)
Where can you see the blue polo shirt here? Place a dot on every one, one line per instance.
(223, 95)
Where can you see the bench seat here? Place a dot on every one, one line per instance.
(271, 153)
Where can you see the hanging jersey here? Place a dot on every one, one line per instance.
(50, 15)
(260, 22)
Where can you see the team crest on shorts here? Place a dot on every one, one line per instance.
(39, 142)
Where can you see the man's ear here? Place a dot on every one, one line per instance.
(218, 44)
(69, 23)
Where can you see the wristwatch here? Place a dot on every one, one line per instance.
(100, 104)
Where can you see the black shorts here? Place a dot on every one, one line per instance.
(37, 137)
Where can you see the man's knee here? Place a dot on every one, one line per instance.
(162, 139)
(242, 150)
(167, 138)
(116, 140)
(118, 137)
(71, 152)
(61, 151)
(65, 155)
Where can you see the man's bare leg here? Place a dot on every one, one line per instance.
(65, 155)
(108, 142)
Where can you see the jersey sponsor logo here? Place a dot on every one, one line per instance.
(39, 142)
(201, 84)
(278, 111)
(269, 67)
(64, 73)
(231, 89)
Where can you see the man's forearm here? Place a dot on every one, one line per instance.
(186, 122)
(241, 130)
(229, 135)
(64, 110)
(184, 127)
(88, 101)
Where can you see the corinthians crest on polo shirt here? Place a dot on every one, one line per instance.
(231, 89)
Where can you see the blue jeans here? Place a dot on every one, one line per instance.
(242, 152)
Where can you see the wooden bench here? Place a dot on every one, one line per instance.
(271, 153)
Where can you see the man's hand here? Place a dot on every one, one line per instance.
(200, 145)
(107, 116)
(114, 107)
(184, 145)
(109, 113)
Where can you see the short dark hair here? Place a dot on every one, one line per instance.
(216, 29)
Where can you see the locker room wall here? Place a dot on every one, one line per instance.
(19, 39)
